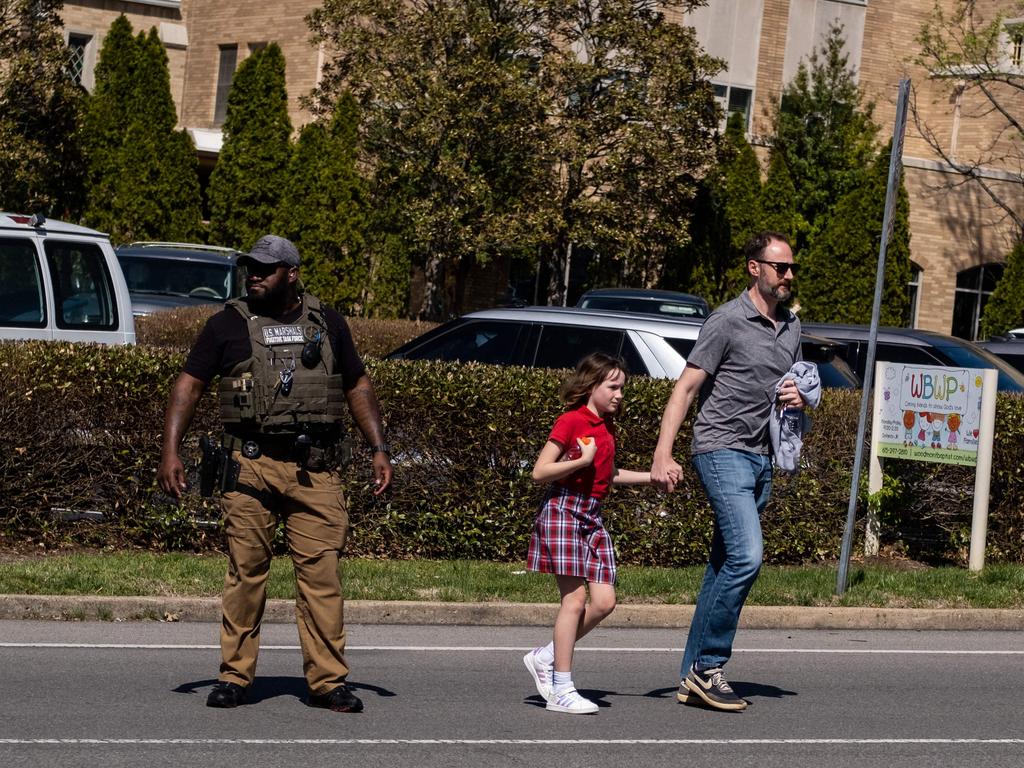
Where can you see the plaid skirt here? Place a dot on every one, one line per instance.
(569, 538)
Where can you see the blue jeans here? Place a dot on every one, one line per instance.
(738, 484)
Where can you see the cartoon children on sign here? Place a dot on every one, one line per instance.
(925, 419)
(953, 422)
(938, 422)
(909, 417)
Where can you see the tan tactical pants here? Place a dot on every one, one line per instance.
(313, 508)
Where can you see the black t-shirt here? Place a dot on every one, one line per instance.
(224, 342)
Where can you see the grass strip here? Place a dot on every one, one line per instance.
(178, 574)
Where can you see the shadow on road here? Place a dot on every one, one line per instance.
(264, 688)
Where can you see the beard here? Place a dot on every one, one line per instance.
(270, 298)
(781, 292)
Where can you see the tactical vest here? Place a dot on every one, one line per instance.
(277, 391)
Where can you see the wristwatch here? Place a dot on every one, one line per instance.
(381, 448)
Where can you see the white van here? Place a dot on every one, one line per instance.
(61, 281)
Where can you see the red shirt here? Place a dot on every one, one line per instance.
(593, 480)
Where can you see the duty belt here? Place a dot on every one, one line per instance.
(281, 447)
(315, 452)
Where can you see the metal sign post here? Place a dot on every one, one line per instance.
(891, 192)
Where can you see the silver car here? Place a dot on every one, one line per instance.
(555, 337)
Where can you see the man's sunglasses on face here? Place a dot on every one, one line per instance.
(781, 267)
(259, 269)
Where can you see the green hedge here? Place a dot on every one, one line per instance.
(80, 432)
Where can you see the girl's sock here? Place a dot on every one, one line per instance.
(546, 655)
(561, 681)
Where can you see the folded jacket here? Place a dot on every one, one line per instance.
(787, 426)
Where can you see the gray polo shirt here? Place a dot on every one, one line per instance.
(744, 355)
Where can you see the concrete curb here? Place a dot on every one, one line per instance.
(82, 608)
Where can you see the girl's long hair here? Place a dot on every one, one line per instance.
(590, 371)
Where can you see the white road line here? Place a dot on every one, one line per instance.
(520, 649)
(525, 742)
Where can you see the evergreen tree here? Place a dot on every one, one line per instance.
(107, 115)
(252, 170)
(1004, 310)
(778, 201)
(157, 191)
(728, 213)
(41, 165)
(837, 281)
(143, 173)
(323, 209)
(824, 132)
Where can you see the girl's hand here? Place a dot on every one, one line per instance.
(588, 449)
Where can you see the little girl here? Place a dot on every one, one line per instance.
(569, 538)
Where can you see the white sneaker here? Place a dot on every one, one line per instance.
(541, 674)
(570, 702)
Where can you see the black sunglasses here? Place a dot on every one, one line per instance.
(781, 267)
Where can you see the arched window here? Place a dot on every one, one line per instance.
(914, 291)
(973, 288)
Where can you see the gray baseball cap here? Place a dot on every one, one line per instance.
(271, 249)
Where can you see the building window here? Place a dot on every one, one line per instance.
(914, 290)
(78, 46)
(253, 47)
(734, 99)
(1015, 45)
(225, 73)
(973, 288)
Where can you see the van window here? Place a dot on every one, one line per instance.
(22, 302)
(83, 290)
(563, 346)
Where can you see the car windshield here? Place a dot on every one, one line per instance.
(177, 277)
(1010, 380)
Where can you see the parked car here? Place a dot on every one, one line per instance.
(916, 347)
(1008, 348)
(165, 276)
(645, 301)
(550, 337)
(61, 281)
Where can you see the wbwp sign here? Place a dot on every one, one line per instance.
(929, 413)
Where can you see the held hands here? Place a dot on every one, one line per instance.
(665, 473)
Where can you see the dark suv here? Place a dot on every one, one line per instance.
(1008, 348)
(916, 347)
(163, 276)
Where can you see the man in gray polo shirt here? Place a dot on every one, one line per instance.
(743, 350)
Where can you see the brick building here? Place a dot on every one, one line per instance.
(959, 238)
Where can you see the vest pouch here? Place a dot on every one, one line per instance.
(241, 399)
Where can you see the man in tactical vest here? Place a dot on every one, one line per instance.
(287, 366)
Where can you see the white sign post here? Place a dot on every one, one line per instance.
(937, 414)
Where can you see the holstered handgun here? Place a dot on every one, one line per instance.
(216, 469)
(210, 466)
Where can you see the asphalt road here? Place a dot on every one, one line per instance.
(133, 694)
